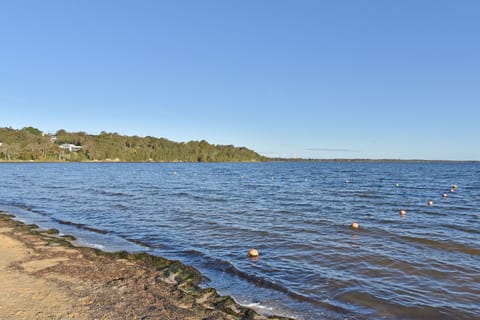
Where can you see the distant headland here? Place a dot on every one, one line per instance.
(31, 144)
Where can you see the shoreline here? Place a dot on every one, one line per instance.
(270, 160)
(46, 276)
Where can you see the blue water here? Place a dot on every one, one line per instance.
(424, 265)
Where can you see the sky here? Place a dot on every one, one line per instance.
(313, 79)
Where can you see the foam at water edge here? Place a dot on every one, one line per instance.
(257, 305)
(91, 245)
(268, 310)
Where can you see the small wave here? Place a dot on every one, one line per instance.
(447, 246)
(19, 205)
(24, 207)
(258, 305)
(227, 267)
(209, 198)
(368, 195)
(180, 194)
(109, 193)
(194, 253)
(93, 245)
(434, 213)
(461, 208)
(139, 242)
(121, 207)
(459, 228)
(54, 187)
(80, 226)
(368, 303)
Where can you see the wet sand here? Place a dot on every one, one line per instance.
(44, 276)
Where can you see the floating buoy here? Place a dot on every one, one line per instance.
(253, 253)
(403, 212)
(451, 190)
(174, 172)
(355, 225)
(444, 195)
(346, 181)
(430, 203)
(397, 185)
(455, 186)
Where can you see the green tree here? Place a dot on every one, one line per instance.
(32, 130)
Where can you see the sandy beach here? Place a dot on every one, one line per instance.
(44, 276)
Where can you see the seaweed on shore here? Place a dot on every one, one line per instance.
(5, 216)
(68, 237)
(186, 280)
(50, 231)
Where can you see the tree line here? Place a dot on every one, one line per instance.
(31, 144)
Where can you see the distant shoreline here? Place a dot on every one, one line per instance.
(265, 161)
(32, 145)
(371, 160)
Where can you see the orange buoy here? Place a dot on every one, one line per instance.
(253, 253)
(403, 212)
(444, 195)
(430, 203)
(355, 225)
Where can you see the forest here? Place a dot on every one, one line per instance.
(31, 144)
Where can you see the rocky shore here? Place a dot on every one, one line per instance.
(44, 276)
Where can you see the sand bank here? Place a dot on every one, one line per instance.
(43, 276)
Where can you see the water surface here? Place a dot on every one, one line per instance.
(425, 265)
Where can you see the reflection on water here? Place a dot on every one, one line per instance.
(312, 264)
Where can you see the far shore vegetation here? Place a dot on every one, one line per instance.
(31, 144)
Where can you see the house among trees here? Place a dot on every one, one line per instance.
(70, 147)
(32, 144)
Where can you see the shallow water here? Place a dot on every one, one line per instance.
(425, 265)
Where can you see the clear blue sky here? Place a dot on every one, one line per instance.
(319, 79)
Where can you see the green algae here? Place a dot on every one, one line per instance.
(28, 226)
(68, 237)
(50, 231)
(5, 216)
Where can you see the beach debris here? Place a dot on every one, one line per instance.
(253, 253)
(444, 195)
(403, 212)
(430, 203)
(355, 225)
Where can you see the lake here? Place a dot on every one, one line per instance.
(312, 265)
